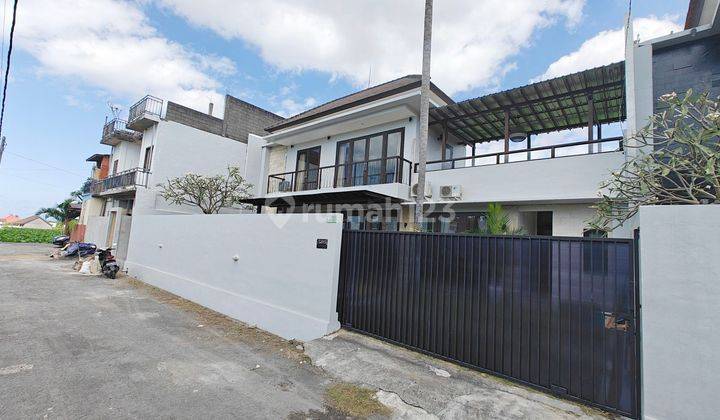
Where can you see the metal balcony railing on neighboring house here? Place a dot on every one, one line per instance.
(144, 113)
(369, 172)
(129, 179)
(116, 130)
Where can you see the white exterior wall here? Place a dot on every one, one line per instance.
(680, 292)
(281, 282)
(96, 230)
(127, 154)
(571, 178)
(179, 149)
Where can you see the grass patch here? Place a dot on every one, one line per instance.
(354, 401)
(28, 235)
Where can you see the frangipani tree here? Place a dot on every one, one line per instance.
(677, 161)
(210, 193)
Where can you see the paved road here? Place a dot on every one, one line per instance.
(74, 346)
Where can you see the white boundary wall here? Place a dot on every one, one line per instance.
(96, 230)
(680, 296)
(281, 281)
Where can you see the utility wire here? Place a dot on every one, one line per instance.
(7, 67)
(46, 164)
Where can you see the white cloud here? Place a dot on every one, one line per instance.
(608, 47)
(473, 42)
(110, 44)
(290, 107)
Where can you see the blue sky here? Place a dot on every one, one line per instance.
(71, 59)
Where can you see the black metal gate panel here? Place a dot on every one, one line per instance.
(551, 312)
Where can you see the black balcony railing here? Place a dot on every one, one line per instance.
(611, 144)
(136, 177)
(148, 105)
(369, 172)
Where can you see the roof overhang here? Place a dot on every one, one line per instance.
(337, 197)
(542, 107)
(97, 158)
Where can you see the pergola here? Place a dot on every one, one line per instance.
(584, 99)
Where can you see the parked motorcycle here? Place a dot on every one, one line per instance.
(108, 265)
(61, 240)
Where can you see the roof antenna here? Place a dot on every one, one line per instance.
(369, 76)
(114, 109)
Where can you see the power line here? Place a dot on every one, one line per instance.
(47, 164)
(7, 67)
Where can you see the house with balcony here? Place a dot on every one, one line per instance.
(161, 140)
(358, 155)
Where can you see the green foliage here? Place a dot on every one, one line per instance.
(28, 235)
(497, 222)
(209, 193)
(676, 160)
(60, 213)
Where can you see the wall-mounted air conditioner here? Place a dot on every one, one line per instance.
(428, 190)
(451, 191)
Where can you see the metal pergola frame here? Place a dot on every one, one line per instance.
(585, 99)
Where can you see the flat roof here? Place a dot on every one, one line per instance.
(545, 106)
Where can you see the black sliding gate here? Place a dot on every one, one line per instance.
(551, 312)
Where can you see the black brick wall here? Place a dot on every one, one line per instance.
(242, 118)
(192, 118)
(694, 64)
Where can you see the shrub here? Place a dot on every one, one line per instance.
(28, 235)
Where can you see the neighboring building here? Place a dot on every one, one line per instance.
(357, 155)
(34, 222)
(689, 59)
(10, 218)
(162, 140)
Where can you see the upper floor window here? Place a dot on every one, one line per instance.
(371, 159)
(148, 158)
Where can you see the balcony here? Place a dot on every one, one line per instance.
(358, 174)
(570, 172)
(120, 183)
(116, 131)
(145, 113)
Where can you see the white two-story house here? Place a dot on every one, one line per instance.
(358, 155)
(162, 140)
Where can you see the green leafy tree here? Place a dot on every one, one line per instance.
(79, 194)
(209, 193)
(61, 213)
(676, 161)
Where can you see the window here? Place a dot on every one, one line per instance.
(308, 163)
(544, 223)
(148, 158)
(448, 156)
(115, 167)
(369, 160)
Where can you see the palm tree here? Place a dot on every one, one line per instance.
(61, 213)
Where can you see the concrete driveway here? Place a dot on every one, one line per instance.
(74, 346)
(88, 347)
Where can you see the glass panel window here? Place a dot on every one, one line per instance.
(343, 170)
(392, 165)
(375, 166)
(359, 164)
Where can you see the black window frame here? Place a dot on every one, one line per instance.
(348, 180)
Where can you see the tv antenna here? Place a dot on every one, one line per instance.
(114, 109)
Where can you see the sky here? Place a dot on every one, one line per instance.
(72, 58)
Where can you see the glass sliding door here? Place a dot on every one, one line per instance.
(307, 173)
(370, 160)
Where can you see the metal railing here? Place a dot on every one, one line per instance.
(543, 152)
(125, 179)
(147, 105)
(115, 126)
(369, 172)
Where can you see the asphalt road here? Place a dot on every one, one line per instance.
(74, 346)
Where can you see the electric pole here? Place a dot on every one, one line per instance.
(2, 147)
(424, 113)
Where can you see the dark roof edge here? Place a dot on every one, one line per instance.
(97, 157)
(358, 102)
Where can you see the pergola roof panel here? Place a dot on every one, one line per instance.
(549, 105)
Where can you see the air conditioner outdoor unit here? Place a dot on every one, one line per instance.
(428, 190)
(451, 191)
